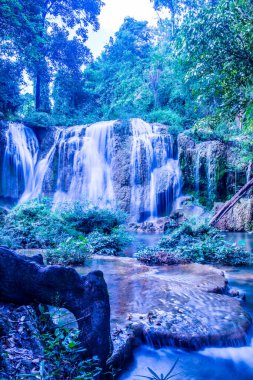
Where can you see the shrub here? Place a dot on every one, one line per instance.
(197, 243)
(85, 219)
(62, 232)
(112, 244)
(70, 252)
(34, 225)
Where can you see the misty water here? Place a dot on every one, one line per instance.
(210, 363)
(133, 286)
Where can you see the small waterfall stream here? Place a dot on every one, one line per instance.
(84, 170)
(34, 188)
(19, 161)
(155, 172)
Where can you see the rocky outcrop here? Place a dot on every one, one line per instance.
(239, 218)
(212, 170)
(203, 165)
(121, 175)
(26, 281)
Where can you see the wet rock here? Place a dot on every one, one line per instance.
(203, 167)
(25, 281)
(159, 225)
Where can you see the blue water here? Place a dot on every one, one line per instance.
(235, 363)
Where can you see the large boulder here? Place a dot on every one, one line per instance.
(26, 281)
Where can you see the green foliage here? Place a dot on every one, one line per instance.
(73, 251)
(34, 225)
(30, 31)
(69, 234)
(217, 46)
(112, 244)
(85, 219)
(198, 243)
(63, 351)
(10, 79)
(41, 119)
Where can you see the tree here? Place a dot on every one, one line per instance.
(9, 87)
(177, 9)
(117, 79)
(32, 30)
(217, 46)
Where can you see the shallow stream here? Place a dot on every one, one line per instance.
(130, 287)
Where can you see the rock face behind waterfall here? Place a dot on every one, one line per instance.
(129, 164)
(203, 166)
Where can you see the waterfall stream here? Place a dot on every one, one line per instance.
(19, 161)
(85, 154)
(155, 172)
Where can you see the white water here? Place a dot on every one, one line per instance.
(20, 157)
(85, 155)
(204, 156)
(155, 172)
(34, 188)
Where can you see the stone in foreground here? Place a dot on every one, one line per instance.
(26, 281)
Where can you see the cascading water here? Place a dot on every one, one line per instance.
(20, 157)
(84, 170)
(155, 173)
(34, 187)
(87, 167)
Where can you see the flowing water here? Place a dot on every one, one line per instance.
(19, 162)
(84, 155)
(211, 363)
(84, 170)
(155, 172)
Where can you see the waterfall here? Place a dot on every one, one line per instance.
(20, 156)
(87, 167)
(84, 170)
(34, 187)
(249, 172)
(155, 173)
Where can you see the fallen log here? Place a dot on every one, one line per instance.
(230, 204)
(26, 281)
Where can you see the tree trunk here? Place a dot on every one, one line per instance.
(42, 81)
(230, 204)
(26, 281)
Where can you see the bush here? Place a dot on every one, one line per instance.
(197, 243)
(34, 225)
(85, 219)
(168, 117)
(70, 252)
(63, 353)
(112, 244)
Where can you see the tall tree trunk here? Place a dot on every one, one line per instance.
(42, 81)
(230, 204)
